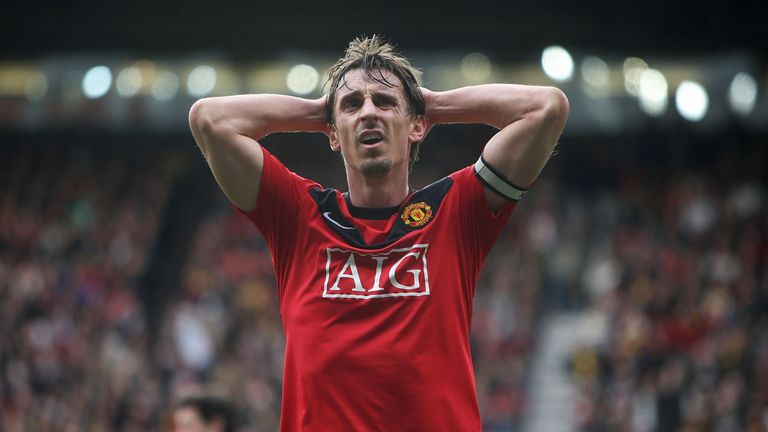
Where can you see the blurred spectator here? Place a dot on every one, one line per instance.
(204, 414)
(687, 291)
(76, 226)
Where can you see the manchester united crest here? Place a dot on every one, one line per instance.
(416, 214)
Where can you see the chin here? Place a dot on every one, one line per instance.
(376, 167)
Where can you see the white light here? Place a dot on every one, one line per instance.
(96, 82)
(201, 81)
(633, 70)
(165, 86)
(557, 63)
(476, 67)
(691, 100)
(594, 71)
(652, 91)
(128, 81)
(302, 79)
(743, 93)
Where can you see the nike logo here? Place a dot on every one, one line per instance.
(327, 216)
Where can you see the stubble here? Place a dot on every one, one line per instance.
(378, 167)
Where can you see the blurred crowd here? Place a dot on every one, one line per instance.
(679, 266)
(676, 262)
(77, 225)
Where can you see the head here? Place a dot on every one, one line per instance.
(362, 85)
(203, 414)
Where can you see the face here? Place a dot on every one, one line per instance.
(373, 129)
(187, 420)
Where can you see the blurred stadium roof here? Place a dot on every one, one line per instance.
(245, 30)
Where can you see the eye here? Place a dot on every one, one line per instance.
(350, 104)
(385, 101)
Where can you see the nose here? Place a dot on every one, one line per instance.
(369, 111)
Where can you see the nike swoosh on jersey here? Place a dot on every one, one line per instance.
(328, 217)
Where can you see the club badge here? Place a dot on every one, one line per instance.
(416, 214)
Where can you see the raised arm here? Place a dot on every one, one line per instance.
(530, 120)
(226, 130)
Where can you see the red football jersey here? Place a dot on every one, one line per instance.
(377, 308)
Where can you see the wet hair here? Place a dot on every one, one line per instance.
(210, 409)
(375, 56)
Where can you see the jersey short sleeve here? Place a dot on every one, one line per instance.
(277, 210)
(480, 226)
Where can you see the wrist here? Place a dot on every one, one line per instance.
(437, 110)
(430, 104)
(320, 114)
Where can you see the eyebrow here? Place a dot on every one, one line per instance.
(356, 93)
(348, 96)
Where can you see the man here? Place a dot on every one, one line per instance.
(203, 414)
(376, 284)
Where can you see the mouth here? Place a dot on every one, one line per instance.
(370, 137)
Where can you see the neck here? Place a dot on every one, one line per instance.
(388, 190)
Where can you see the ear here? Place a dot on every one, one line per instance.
(333, 139)
(418, 129)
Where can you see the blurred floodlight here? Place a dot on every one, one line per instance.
(691, 100)
(165, 86)
(633, 69)
(148, 72)
(476, 67)
(557, 63)
(742, 94)
(653, 92)
(96, 82)
(595, 72)
(227, 81)
(201, 81)
(36, 86)
(302, 79)
(266, 78)
(128, 81)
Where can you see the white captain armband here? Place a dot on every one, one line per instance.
(497, 182)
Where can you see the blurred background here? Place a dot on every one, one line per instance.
(627, 293)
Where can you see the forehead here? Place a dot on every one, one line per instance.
(380, 81)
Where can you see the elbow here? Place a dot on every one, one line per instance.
(207, 124)
(555, 107)
(201, 119)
